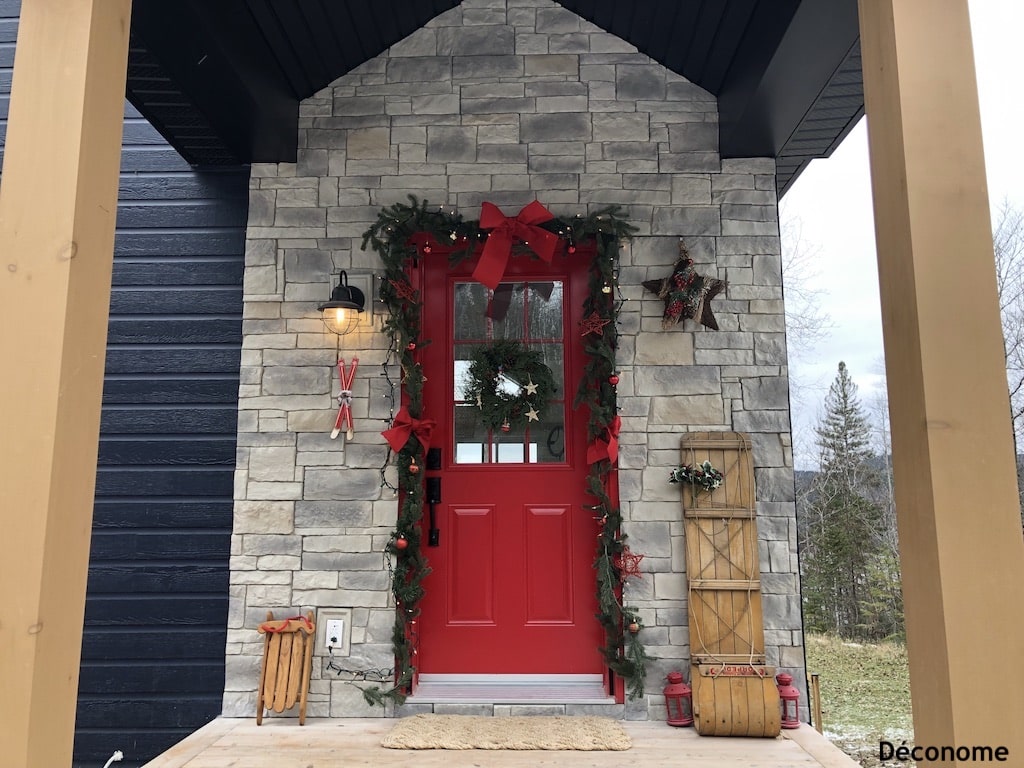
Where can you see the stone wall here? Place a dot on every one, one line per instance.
(504, 101)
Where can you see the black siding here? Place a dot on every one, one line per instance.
(156, 610)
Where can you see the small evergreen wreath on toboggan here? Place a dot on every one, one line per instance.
(509, 383)
(701, 475)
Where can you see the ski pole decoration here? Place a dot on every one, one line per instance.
(345, 399)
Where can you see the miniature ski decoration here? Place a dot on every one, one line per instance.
(345, 399)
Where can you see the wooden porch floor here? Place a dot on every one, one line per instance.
(327, 743)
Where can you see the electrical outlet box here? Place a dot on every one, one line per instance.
(334, 636)
(334, 632)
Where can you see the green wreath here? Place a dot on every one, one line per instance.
(509, 383)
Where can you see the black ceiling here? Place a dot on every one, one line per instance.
(222, 80)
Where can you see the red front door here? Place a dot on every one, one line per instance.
(512, 587)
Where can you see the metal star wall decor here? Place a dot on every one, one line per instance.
(403, 290)
(628, 563)
(687, 295)
(593, 323)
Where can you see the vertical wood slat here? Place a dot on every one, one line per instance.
(295, 669)
(284, 663)
(734, 693)
(273, 658)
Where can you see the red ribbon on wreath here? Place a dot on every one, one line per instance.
(601, 448)
(405, 426)
(504, 232)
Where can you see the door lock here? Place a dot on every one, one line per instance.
(433, 497)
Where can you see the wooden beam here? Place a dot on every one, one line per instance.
(956, 487)
(58, 204)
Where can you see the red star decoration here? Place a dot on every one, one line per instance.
(403, 290)
(593, 323)
(628, 563)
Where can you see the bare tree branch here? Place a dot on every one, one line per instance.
(807, 324)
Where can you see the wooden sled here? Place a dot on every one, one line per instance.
(287, 664)
(734, 693)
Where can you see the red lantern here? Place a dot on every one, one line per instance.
(790, 697)
(678, 700)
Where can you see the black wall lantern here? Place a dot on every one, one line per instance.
(341, 313)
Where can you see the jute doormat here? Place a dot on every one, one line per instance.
(535, 732)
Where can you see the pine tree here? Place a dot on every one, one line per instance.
(838, 555)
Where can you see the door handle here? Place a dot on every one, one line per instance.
(433, 497)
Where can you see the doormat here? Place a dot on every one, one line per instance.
(533, 732)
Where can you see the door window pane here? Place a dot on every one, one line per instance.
(544, 310)
(506, 311)
(533, 314)
(472, 439)
(554, 358)
(547, 438)
(470, 311)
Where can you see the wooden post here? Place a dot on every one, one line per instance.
(953, 456)
(58, 203)
(816, 701)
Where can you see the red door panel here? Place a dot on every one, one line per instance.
(511, 588)
(470, 570)
(548, 565)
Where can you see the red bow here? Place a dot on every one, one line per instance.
(404, 426)
(606, 449)
(504, 232)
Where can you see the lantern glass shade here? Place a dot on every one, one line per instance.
(341, 313)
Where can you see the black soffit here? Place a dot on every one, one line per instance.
(222, 79)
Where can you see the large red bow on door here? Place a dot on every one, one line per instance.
(504, 232)
(606, 449)
(404, 426)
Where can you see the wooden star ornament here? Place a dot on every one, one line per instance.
(686, 293)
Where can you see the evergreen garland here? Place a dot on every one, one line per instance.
(394, 236)
(523, 368)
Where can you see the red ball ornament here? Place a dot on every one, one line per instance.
(613, 380)
(571, 248)
(427, 249)
(401, 542)
(634, 627)
(411, 346)
(506, 427)
(414, 468)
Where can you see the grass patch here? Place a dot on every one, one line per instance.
(865, 695)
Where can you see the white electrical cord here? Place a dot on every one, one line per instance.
(117, 757)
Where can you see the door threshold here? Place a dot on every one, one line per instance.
(510, 689)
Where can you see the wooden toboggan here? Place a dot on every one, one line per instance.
(734, 692)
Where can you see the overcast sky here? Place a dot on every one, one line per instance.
(830, 204)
